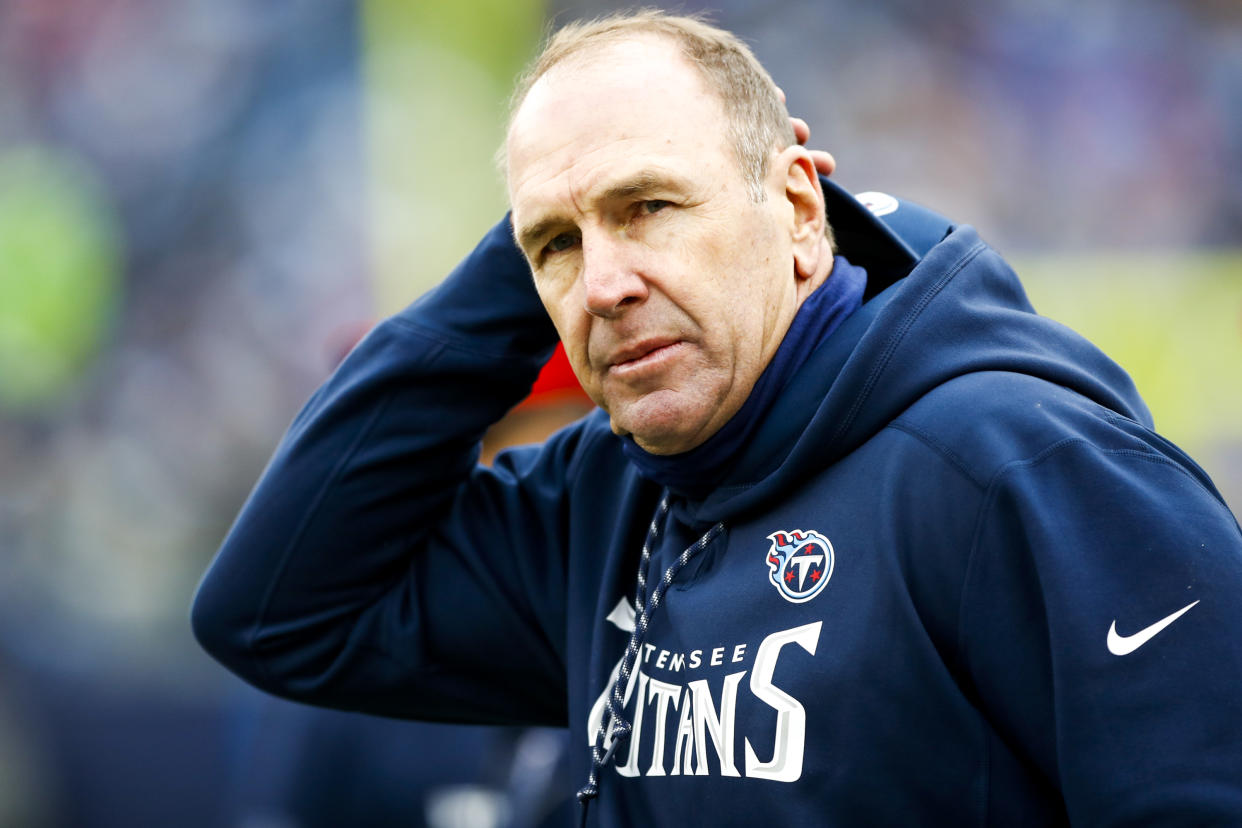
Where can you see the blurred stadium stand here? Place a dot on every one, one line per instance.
(199, 201)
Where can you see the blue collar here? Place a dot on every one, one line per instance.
(696, 472)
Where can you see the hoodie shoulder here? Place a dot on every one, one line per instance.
(987, 420)
(959, 357)
(919, 227)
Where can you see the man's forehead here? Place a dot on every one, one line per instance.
(618, 59)
(627, 71)
(639, 95)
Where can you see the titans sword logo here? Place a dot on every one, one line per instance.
(800, 564)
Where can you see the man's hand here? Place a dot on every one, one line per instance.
(824, 162)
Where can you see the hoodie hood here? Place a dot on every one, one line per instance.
(960, 309)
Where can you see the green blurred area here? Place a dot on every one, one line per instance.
(1173, 320)
(59, 275)
(438, 79)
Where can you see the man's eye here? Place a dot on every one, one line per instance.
(562, 242)
(655, 206)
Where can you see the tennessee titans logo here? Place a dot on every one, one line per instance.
(800, 563)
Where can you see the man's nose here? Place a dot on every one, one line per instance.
(610, 276)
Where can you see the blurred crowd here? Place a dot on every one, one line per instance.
(1046, 123)
(185, 251)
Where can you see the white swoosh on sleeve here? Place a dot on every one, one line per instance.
(1120, 645)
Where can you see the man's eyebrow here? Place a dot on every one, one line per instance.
(640, 184)
(529, 236)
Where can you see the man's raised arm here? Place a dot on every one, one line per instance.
(320, 590)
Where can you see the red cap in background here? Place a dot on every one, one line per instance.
(556, 382)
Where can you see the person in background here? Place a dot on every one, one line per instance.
(555, 400)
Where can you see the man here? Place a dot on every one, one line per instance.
(853, 539)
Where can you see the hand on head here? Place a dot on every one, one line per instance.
(825, 164)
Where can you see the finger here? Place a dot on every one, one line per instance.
(825, 164)
(781, 94)
(802, 131)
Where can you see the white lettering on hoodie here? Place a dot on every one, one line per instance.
(700, 720)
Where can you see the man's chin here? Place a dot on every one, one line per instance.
(659, 448)
(657, 438)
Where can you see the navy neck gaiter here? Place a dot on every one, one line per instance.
(696, 472)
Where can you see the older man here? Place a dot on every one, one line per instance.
(855, 537)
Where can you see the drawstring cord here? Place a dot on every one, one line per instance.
(615, 700)
(643, 609)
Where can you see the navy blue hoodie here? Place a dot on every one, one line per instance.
(954, 578)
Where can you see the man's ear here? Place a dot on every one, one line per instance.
(807, 202)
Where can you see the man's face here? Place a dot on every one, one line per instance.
(669, 285)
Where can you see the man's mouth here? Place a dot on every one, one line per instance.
(648, 354)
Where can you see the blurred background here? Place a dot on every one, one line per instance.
(203, 203)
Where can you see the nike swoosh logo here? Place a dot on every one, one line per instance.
(1120, 645)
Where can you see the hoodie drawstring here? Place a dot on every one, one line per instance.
(614, 719)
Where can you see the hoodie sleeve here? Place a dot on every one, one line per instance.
(1102, 629)
(372, 533)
